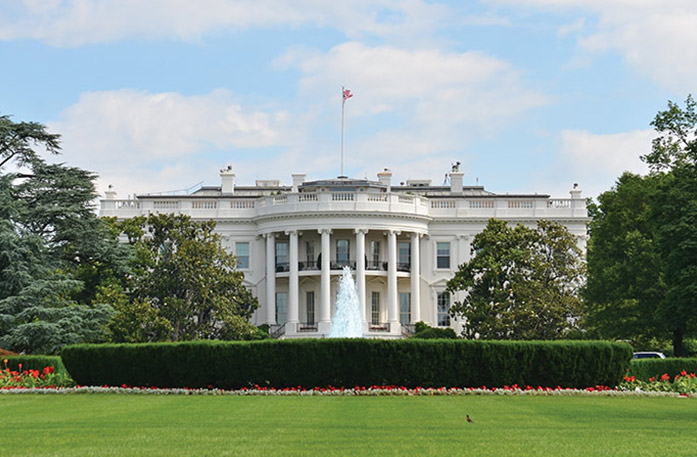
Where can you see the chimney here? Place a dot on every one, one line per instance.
(575, 192)
(227, 178)
(385, 177)
(110, 194)
(456, 179)
(298, 178)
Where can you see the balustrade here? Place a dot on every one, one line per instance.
(348, 201)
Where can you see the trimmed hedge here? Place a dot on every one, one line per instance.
(643, 369)
(349, 363)
(435, 333)
(33, 362)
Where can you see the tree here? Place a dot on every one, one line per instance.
(17, 141)
(521, 284)
(186, 278)
(625, 282)
(643, 250)
(49, 237)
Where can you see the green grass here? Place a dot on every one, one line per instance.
(133, 425)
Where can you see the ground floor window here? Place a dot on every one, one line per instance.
(375, 308)
(404, 308)
(310, 307)
(443, 309)
(281, 307)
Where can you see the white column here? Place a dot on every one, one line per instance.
(392, 302)
(415, 279)
(293, 282)
(325, 284)
(360, 271)
(270, 278)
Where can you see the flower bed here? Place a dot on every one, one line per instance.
(44, 378)
(682, 383)
(372, 391)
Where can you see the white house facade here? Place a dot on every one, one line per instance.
(403, 242)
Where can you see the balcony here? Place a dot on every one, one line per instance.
(376, 265)
(340, 264)
(308, 265)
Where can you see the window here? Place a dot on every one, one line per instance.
(375, 308)
(281, 307)
(443, 309)
(310, 307)
(242, 254)
(404, 250)
(442, 255)
(374, 262)
(281, 255)
(404, 308)
(342, 252)
(310, 252)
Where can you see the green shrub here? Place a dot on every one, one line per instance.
(349, 362)
(643, 369)
(33, 362)
(432, 333)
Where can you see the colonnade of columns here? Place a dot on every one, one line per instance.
(324, 315)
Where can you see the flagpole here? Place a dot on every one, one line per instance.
(343, 103)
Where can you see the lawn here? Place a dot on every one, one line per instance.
(139, 425)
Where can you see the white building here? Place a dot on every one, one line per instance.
(403, 242)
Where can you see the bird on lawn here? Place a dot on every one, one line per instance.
(469, 419)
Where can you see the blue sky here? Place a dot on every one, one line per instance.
(530, 95)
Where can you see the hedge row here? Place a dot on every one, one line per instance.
(349, 362)
(643, 369)
(33, 362)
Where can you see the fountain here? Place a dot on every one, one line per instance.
(347, 317)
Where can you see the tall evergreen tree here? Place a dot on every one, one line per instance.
(50, 242)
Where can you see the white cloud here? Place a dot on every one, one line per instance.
(154, 142)
(597, 160)
(442, 100)
(659, 38)
(78, 22)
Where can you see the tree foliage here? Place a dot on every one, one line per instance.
(625, 282)
(521, 283)
(643, 258)
(183, 284)
(53, 248)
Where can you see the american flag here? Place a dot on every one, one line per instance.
(347, 94)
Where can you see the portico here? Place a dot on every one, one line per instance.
(380, 310)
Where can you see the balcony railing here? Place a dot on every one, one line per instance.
(340, 264)
(311, 265)
(249, 207)
(308, 265)
(376, 265)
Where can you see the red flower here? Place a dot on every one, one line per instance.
(665, 377)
